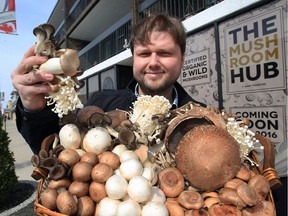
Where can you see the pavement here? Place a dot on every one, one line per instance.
(23, 168)
(22, 152)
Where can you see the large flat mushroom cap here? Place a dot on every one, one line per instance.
(208, 157)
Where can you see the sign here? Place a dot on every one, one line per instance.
(196, 69)
(267, 121)
(255, 54)
(7, 17)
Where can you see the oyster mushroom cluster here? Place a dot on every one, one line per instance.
(64, 63)
(191, 161)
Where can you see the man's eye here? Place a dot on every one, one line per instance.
(165, 54)
(144, 54)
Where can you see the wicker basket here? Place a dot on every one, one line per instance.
(267, 170)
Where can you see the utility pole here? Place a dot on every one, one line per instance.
(134, 12)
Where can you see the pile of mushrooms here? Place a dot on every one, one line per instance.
(64, 63)
(189, 163)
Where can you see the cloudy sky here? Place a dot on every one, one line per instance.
(29, 14)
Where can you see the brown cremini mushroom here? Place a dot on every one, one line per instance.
(81, 171)
(69, 157)
(97, 191)
(101, 172)
(85, 206)
(208, 157)
(110, 158)
(48, 198)
(78, 188)
(66, 204)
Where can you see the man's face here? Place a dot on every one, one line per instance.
(157, 65)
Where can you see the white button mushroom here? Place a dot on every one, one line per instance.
(151, 175)
(139, 189)
(119, 149)
(69, 136)
(107, 207)
(129, 207)
(128, 154)
(97, 140)
(157, 195)
(116, 187)
(155, 208)
(130, 168)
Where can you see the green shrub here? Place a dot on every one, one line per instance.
(8, 178)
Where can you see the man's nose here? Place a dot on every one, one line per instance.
(154, 60)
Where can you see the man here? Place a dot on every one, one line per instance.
(158, 46)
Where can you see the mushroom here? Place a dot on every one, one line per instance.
(110, 158)
(211, 154)
(85, 113)
(85, 206)
(244, 173)
(97, 191)
(101, 172)
(150, 173)
(78, 188)
(233, 183)
(81, 171)
(128, 154)
(60, 185)
(67, 64)
(230, 196)
(70, 136)
(49, 29)
(48, 198)
(117, 117)
(127, 137)
(139, 189)
(128, 207)
(171, 181)
(154, 208)
(190, 199)
(174, 208)
(116, 187)
(262, 208)
(119, 149)
(219, 209)
(157, 195)
(66, 204)
(261, 186)
(90, 157)
(247, 194)
(41, 36)
(130, 168)
(196, 212)
(69, 156)
(107, 206)
(97, 140)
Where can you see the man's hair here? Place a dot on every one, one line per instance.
(161, 23)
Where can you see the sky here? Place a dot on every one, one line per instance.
(29, 14)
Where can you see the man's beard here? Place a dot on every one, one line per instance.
(152, 90)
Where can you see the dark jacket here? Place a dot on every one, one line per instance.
(34, 127)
